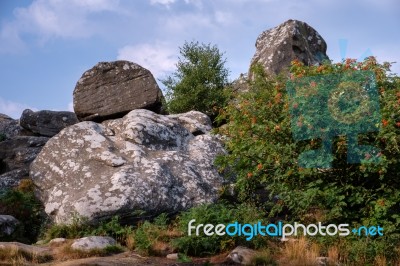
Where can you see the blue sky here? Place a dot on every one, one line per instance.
(46, 45)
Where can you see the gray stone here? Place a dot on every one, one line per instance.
(47, 123)
(293, 39)
(242, 255)
(58, 241)
(196, 122)
(9, 128)
(12, 178)
(112, 89)
(93, 242)
(143, 161)
(172, 256)
(16, 154)
(8, 225)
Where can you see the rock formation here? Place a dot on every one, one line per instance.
(293, 39)
(112, 89)
(47, 123)
(143, 161)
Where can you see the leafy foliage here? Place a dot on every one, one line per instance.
(264, 154)
(216, 214)
(199, 81)
(22, 204)
(147, 234)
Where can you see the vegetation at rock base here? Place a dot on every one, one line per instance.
(22, 204)
(199, 82)
(216, 214)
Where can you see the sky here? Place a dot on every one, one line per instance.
(46, 45)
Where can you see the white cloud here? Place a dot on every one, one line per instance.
(162, 2)
(10, 42)
(13, 109)
(224, 18)
(54, 18)
(159, 58)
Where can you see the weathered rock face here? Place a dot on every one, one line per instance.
(47, 123)
(16, 155)
(293, 39)
(142, 161)
(112, 89)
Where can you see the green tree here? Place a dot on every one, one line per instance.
(199, 81)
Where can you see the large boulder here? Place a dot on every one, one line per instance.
(16, 155)
(112, 89)
(293, 39)
(47, 123)
(143, 161)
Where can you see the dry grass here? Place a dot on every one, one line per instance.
(16, 256)
(299, 252)
(65, 252)
(333, 255)
(380, 261)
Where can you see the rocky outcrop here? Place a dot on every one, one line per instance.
(16, 154)
(93, 242)
(47, 123)
(112, 89)
(143, 161)
(293, 39)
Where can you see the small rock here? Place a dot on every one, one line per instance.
(172, 256)
(322, 261)
(242, 255)
(8, 225)
(93, 242)
(57, 241)
(47, 123)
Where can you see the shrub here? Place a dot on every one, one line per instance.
(264, 155)
(25, 207)
(199, 81)
(147, 235)
(216, 214)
